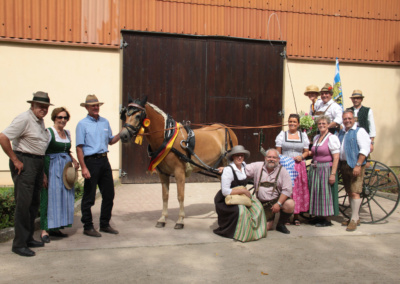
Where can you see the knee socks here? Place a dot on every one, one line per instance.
(355, 208)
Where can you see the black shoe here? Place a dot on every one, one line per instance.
(109, 230)
(92, 233)
(58, 234)
(34, 244)
(316, 220)
(282, 228)
(23, 251)
(45, 239)
(324, 223)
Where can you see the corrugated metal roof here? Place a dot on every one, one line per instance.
(358, 30)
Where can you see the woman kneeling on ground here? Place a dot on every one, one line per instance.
(238, 221)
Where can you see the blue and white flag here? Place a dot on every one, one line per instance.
(337, 86)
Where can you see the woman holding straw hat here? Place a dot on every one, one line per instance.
(58, 195)
(238, 221)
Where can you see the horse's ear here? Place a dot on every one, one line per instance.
(143, 102)
(130, 100)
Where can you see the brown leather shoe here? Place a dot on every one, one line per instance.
(352, 226)
(92, 233)
(346, 223)
(109, 230)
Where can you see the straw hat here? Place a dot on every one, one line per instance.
(311, 89)
(357, 94)
(69, 175)
(327, 88)
(41, 97)
(91, 100)
(238, 149)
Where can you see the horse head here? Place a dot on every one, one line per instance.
(133, 116)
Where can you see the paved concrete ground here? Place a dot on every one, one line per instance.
(142, 253)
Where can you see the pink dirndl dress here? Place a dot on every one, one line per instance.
(292, 148)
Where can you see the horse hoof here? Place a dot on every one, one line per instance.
(178, 226)
(160, 225)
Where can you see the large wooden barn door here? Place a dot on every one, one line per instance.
(202, 79)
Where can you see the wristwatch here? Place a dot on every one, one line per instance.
(358, 164)
(280, 204)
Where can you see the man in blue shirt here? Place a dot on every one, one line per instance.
(93, 135)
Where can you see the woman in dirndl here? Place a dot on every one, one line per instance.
(56, 200)
(295, 144)
(322, 177)
(238, 221)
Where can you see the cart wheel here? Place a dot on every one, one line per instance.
(380, 195)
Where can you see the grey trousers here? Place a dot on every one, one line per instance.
(27, 186)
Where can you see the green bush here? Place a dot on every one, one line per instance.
(7, 204)
(78, 189)
(7, 207)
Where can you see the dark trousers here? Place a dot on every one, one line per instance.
(27, 186)
(101, 175)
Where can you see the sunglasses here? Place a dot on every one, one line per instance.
(61, 117)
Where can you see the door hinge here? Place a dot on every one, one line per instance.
(281, 113)
(122, 173)
(123, 44)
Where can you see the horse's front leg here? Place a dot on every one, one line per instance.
(180, 183)
(165, 194)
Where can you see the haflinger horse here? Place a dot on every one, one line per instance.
(169, 145)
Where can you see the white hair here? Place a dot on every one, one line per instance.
(272, 149)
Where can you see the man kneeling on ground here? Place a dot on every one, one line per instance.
(274, 187)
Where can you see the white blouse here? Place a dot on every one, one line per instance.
(227, 177)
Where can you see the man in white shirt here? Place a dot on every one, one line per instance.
(330, 108)
(354, 150)
(363, 116)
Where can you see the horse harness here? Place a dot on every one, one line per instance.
(132, 107)
(189, 148)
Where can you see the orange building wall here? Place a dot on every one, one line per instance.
(352, 30)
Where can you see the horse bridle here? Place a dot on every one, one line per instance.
(129, 111)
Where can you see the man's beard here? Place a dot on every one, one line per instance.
(272, 165)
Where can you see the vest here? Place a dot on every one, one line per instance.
(351, 147)
(362, 117)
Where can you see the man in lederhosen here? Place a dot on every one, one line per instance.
(330, 108)
(29, 143)
(363, 116)
(354, 150)
(274, 187)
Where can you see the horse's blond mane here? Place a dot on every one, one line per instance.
(158, 110)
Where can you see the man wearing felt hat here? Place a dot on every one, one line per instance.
(363, 115)
(330, 108)
(93, 135)
(29, 143)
